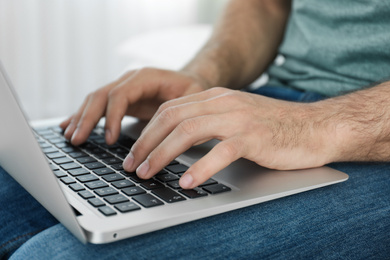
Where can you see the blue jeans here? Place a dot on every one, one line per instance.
(347, 220)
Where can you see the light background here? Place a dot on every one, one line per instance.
(57, 51)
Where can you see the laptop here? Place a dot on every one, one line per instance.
(88, 191)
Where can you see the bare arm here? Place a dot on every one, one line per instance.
(359, 124)
(245, 41)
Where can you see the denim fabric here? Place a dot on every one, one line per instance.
(347, 220)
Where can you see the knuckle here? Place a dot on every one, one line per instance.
(115, 92)
(188, 127)
(231, 149)
(217, 90)
(164, 106)
(168, 115)
(146, 71)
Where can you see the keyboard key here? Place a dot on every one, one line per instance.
(122, 155)
(162, 172)
(113, 177)
(60, 174)
(103, 171)
(132, 191)
(148, 200)
(67, 180)
(49, 136)
(112, 160)
(117, 167)
(77, 154)
(127, 207)
(107, 211)
(99, 141)
(118, 150)
(106, 191)
(173, 162)
(85, 194)
(55, 155)
(94, 165)
(49, 149)
(126, 141)
(62, 160)
(128, 174)
(152, 184)
(76, 187)
(96, 202)
(69, 149)
(84, 160)
(87, 178)
(123, 184)
(167, 177)
(44, 145)
(56, 140)
(174, 184)
(136, 179)
(110, 146)
(77, 172)
(96, 185)
(208, 182)
(195, 193)
(103, 155)
(62, 145)
(43, 131)
(54, 167)
(70, 166)
(216, 188)
(114, 199)
(95, 150)
(168, 195)
(177, 168)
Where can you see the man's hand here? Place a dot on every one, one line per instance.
(138, 93)
(273, 133)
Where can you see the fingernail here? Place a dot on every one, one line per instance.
(128, 162)
(74, 135)
(186, 181)
(68, 129)
(143, 169)
(108, 135)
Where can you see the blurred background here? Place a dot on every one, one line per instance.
(58, 51)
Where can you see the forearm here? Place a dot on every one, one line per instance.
(244, 42)
(359, 124)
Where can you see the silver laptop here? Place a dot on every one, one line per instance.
(88, 191)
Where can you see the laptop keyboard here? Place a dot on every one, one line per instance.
(94, 171)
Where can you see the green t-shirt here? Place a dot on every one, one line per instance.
(335, 46)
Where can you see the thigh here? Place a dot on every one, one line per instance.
(346, 220)
(21, 216)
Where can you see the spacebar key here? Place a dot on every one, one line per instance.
(168, 195)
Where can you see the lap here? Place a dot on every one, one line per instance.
(349, 219)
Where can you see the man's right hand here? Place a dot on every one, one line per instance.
(138, 93)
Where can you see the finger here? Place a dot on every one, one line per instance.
(213, 94)
(164, 124)
(223, 154)
(90, 116)
(71, 127)
(64, 124)
(120, 98)
(204, 95)
(190, 131)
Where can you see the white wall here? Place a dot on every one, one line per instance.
(57, 51)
